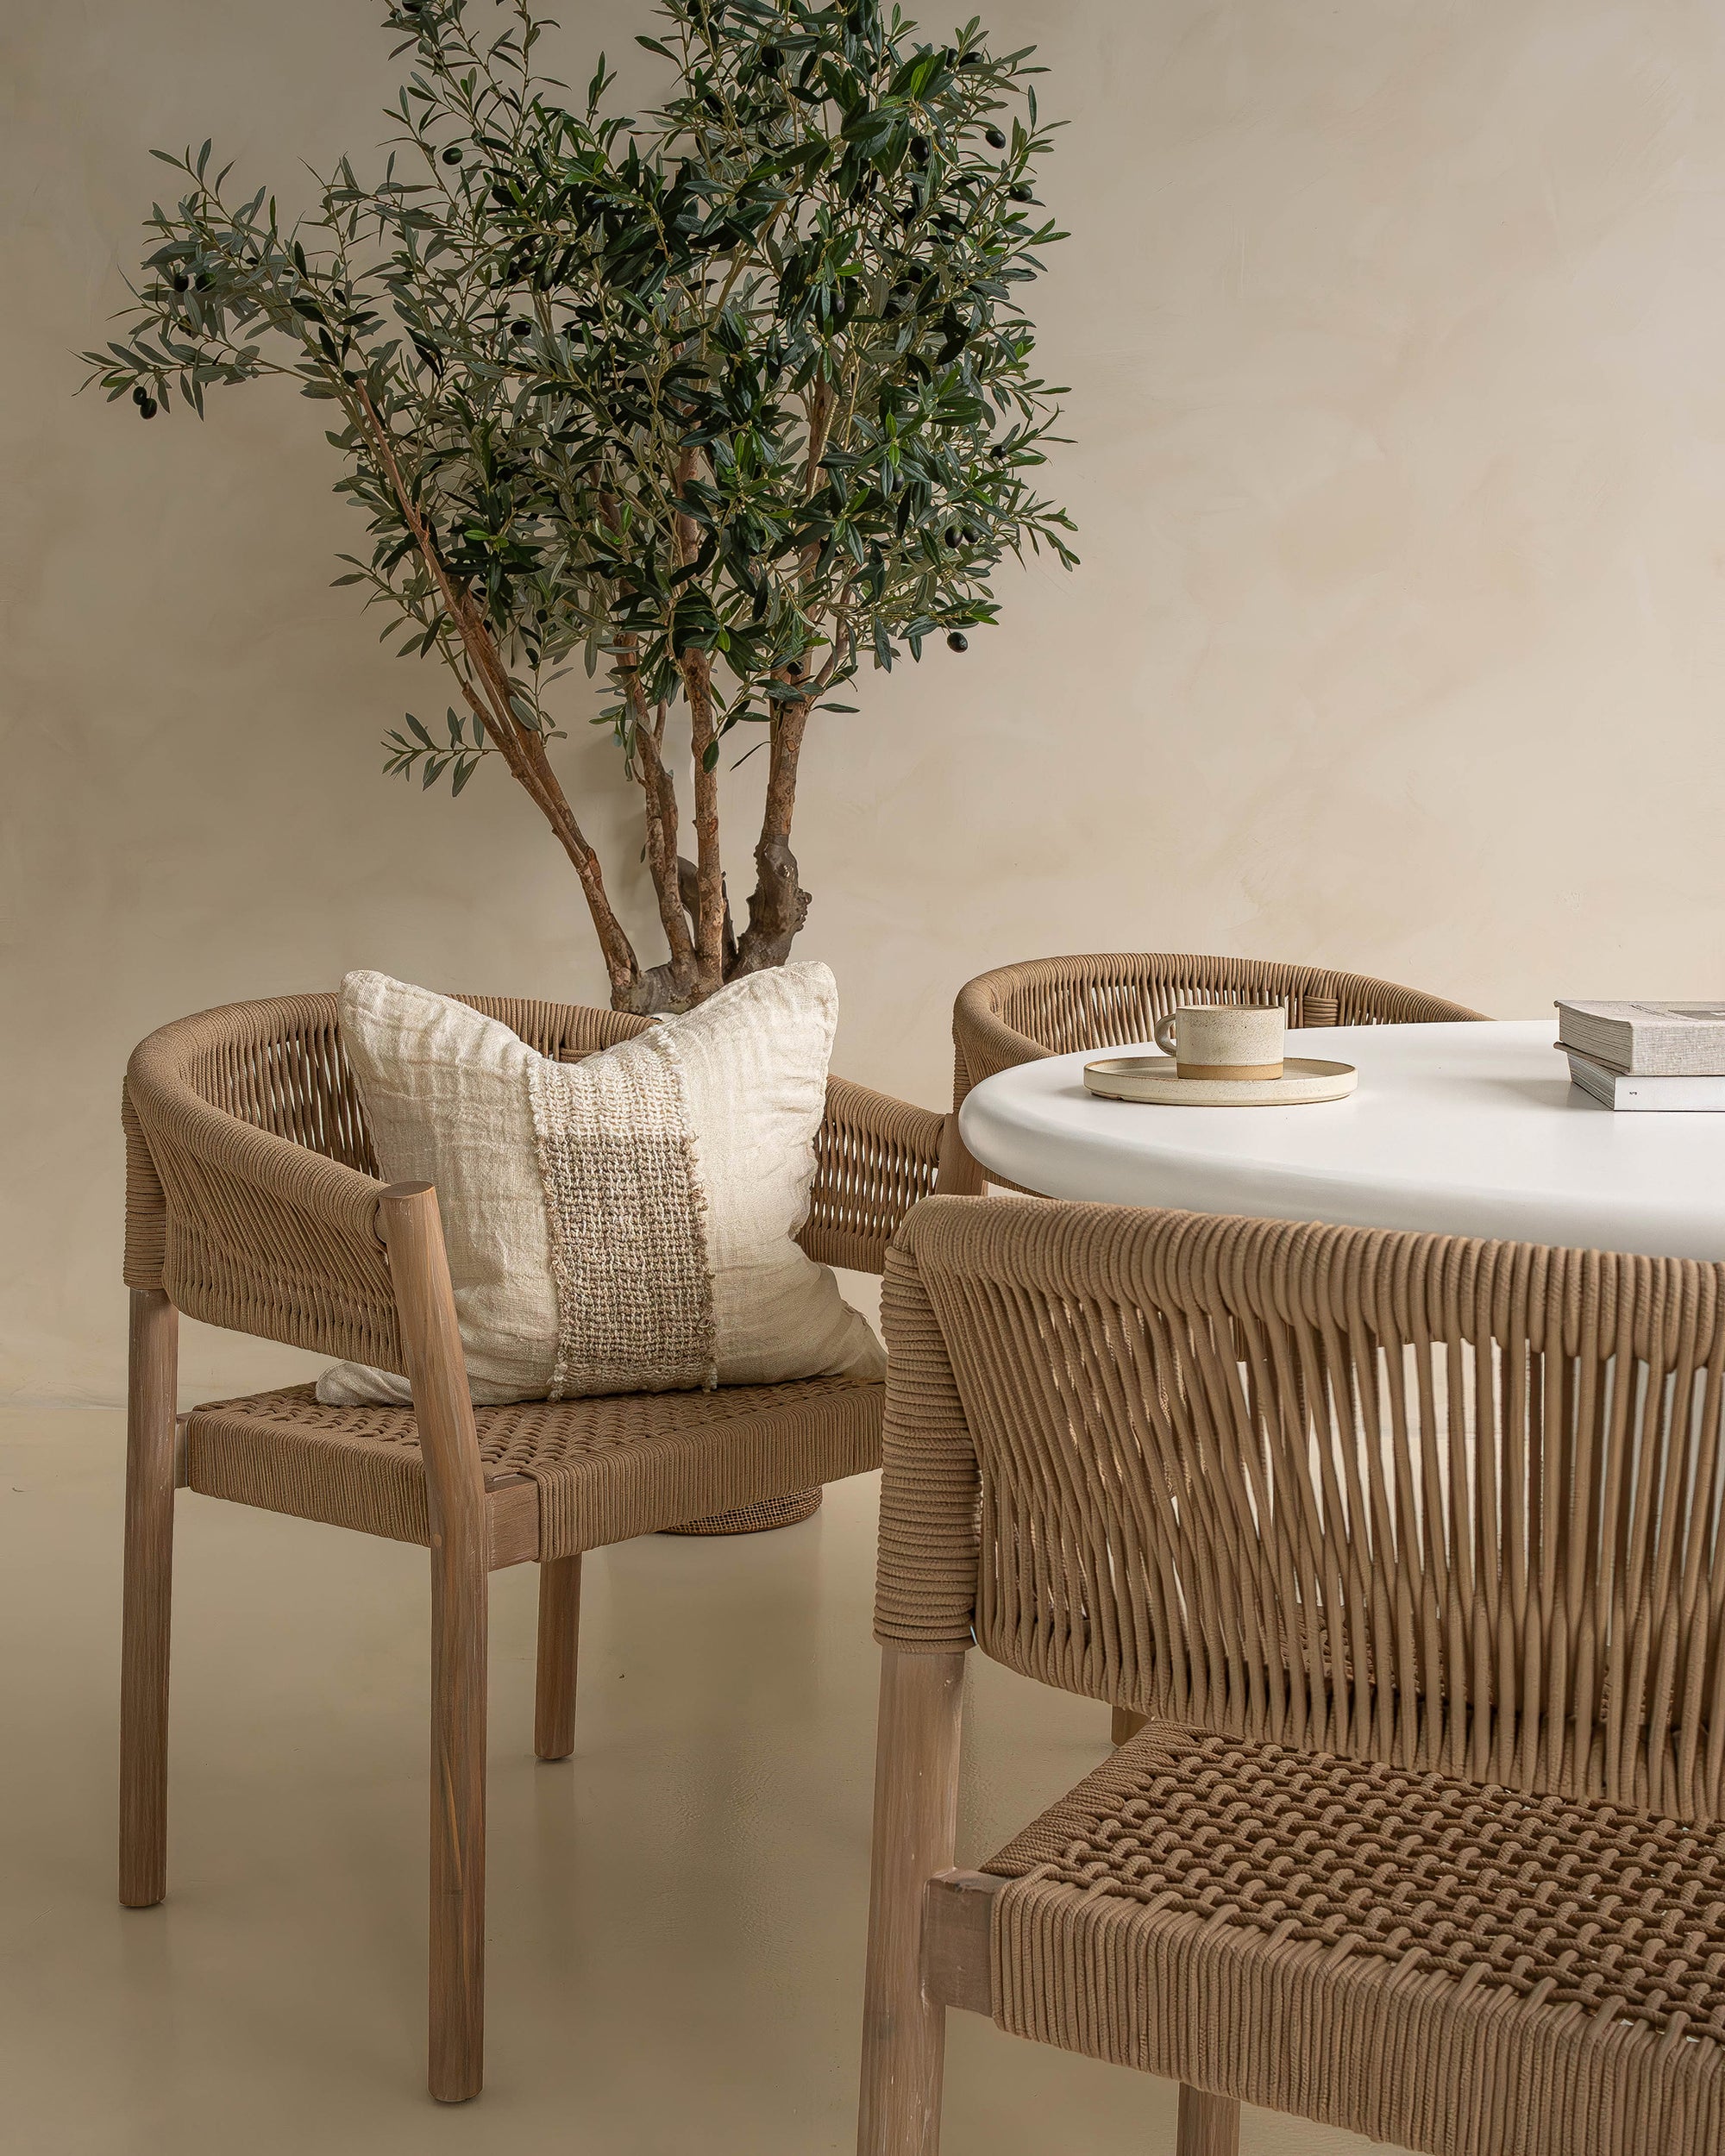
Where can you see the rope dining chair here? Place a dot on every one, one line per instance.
(253, 1202)
(1409, 1546)
(1055, 1006)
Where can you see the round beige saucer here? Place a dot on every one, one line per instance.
(1152, 1078)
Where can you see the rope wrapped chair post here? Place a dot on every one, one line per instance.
(253, 1202)
(1407, 1547)
(1056, 1007)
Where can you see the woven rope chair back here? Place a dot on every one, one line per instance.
(279, 1239)
(251, 1188)
(1054, 1006)
(1448, 1505)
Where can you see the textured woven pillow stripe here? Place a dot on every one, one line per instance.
(626, 1215)
(623, 1224)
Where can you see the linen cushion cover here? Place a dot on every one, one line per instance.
(623, 1224)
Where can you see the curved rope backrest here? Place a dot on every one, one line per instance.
(1449, 1505)
(875, 1157)
(252, 1188)
(1054, 1006)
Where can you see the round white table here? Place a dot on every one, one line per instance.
(1464, 1128)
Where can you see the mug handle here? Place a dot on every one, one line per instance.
(1164, 1034)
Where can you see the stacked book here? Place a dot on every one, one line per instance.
(1645, 1055)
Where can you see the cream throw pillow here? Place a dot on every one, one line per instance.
(623, 1224)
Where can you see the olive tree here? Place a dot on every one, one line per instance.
(724, 402)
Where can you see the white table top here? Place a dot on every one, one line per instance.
(1466, 1129)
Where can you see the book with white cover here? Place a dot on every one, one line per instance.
(1619, 1089)
(1648, 1039)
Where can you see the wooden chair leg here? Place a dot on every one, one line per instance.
(145, 1624)
(1125, 1726)
(460, 1558)
(916, 1813)
(1209, 2126)
(560, 1632)
(456, 2068)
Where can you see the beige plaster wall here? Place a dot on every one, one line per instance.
(1395, 336)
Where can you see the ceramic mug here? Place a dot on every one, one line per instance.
(1224, 1040)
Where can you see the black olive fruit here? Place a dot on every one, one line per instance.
(1018, 194)
(969, 60)
(793, 667)
(772, 59)
(951, 534)
(995, 138)
(452, 155)
(181, 282)
(520, 328)
(138, 393)
(920, 149)
(148, 409)
(955, 642)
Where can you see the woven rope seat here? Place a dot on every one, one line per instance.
(603, 1469)
(252, 1201)
(1288, 1894)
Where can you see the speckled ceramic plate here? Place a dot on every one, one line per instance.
(1153, 1079)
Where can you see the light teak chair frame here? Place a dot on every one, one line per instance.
(462, 1552)
(1435, 1521)
(1055, 1006)
(251, 1205)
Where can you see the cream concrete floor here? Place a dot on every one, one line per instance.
(676, 1915)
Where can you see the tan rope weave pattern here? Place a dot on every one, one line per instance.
(251, 1188)
(268, 1188)
(1426, 1961)
(606, 1469)
(146, 1205)
(925, 1589)
(1054, 1006)
(1448, 1505)
(874, 1156)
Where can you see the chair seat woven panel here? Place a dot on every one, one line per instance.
(1457, 1968)
(606, 1469)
